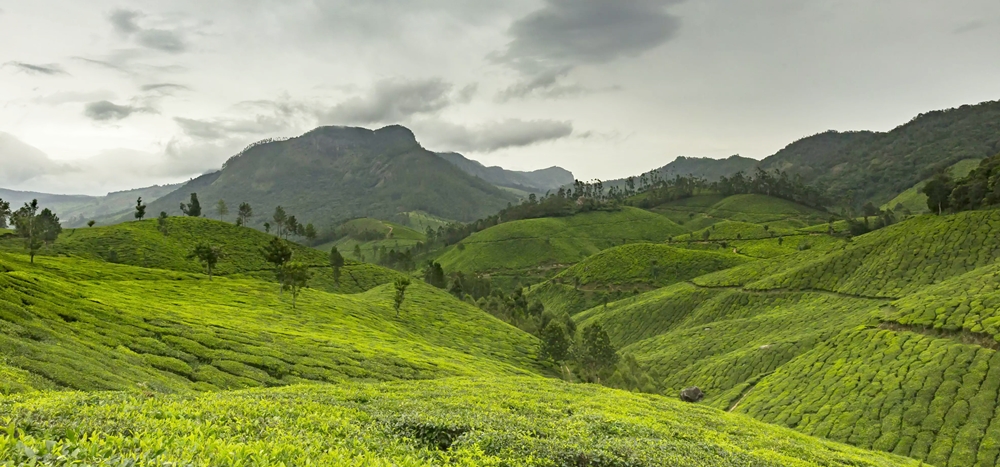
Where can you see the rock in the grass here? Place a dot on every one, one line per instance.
(692, 394)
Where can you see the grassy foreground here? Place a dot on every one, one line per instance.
(464, 422)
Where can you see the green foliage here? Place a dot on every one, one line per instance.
(938, 191)
(595, 353)
(90, 325)
(555, 342)
(336, 262)
(551, 242)
(140, 209)
(5, 213)
(221, 209)
(193, 207)
(36, 228)
(977, 190)
(399, 285)
(914, 201)
(522, 421)
(207, 255)
(294, 277)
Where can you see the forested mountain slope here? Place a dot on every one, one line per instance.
(858, 167)
(536, 181)
(332, 174)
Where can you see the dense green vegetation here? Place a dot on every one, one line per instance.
(853, 168)
(145, 244)
(913, 200)
(90, 325)
(462, 422)
(556, 242)
(369, 239)
(624, 270)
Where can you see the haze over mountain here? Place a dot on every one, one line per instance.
(537, 181)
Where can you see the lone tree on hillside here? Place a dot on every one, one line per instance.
(277, 252)
(161, 222)
(267, 227)
(243, 214)
(357, 252)
(294, 277)
(279, 218)
(140, 209)
(336, 262)
(938, 192)
(193, 208)
(596, 354)
(208, 255)
(400, 285)
(4, 213)
(36, 228)
(91, 223)
(221, 209)
(555, 343)
(291, 226)
(434, 275)
(309, 232)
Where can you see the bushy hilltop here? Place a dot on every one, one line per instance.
(886, 342)
(144, 244)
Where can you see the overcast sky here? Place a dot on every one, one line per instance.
(105, 95)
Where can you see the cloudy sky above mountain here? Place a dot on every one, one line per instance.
(116, 94)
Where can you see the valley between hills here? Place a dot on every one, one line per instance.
(347, 297)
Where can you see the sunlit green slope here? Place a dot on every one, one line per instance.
(459, 422)
(699, 212)
(915, 201)
(72, 323)
(555, 241)
(622, 270)
(887, 342)
(143, 244)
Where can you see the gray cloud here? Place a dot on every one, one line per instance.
(546, 45)
(392, 101)
(969, 27)
(125, 22)
(50, 69)
(164, 87)
(21, 162)
(104, 111)
(267, 118)
(492, 136)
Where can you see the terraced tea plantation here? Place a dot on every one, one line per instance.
(887, 342)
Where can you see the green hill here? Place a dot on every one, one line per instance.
(89, 325)
(369, 235)
(142, 244)
(699, 212)
(886, 342)
(335, 173)
(554, 242)
(618, 271)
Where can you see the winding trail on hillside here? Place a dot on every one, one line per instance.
(963, 336)
(784, 290)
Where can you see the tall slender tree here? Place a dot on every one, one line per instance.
(193, 208)
(279, 218)
(221, 209)
(35, 228)
(400, 286)
(208, 255)
(337, 262)
(295, 277)
(4, 213)
(277, 252)
(140, 209)
(244, 213)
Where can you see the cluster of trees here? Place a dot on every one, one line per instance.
(979, 189)
(775, 183)
(37, 228)
(285, 225)
(293, 276)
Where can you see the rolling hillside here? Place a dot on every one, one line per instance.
(884, 342)
(915, 201)
(624, 270)
(554, 242)
(369, 235)
(331, 174)
(165, 366)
